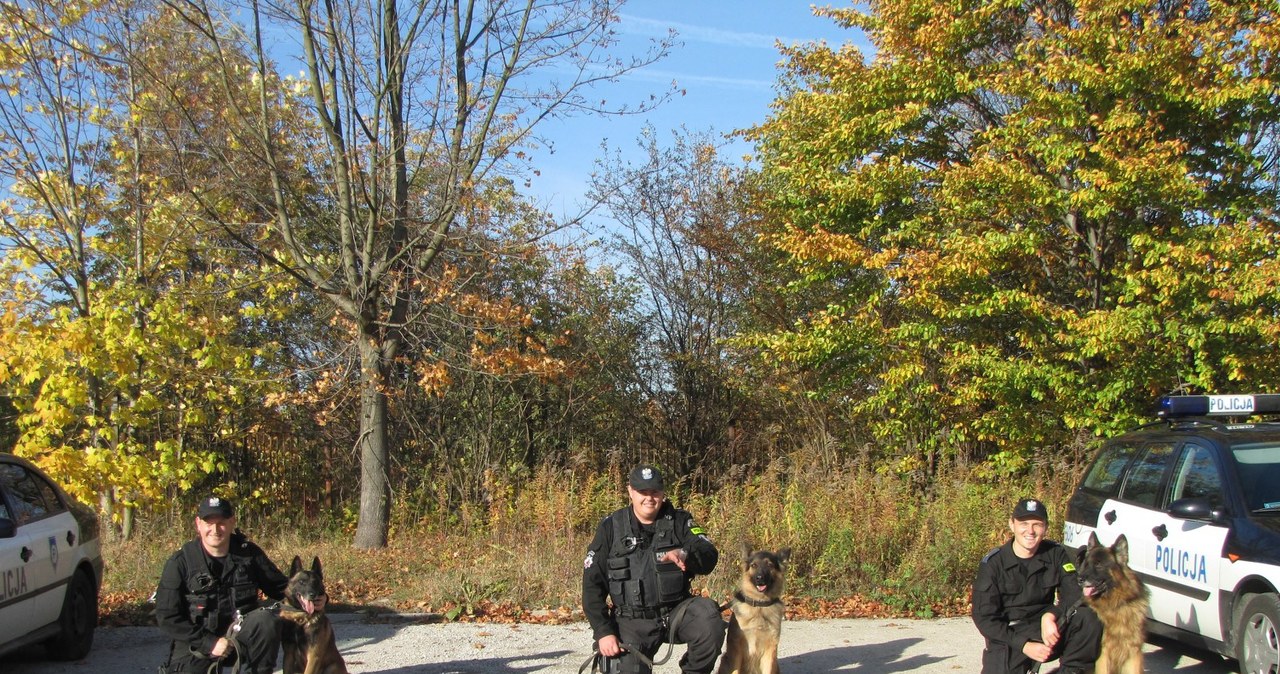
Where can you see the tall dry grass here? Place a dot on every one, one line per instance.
(853, 530)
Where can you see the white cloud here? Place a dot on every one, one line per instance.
(653, 28)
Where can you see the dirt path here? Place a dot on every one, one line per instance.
(862, 646)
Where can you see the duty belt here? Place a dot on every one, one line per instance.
(635, 612)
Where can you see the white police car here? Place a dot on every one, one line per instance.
(1199, 501)
(50, 564)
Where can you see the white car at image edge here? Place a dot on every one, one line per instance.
(50, 564)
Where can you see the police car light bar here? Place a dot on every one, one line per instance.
(1222, 406)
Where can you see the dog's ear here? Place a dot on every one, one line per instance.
(784, 555)
(315, 566)
(1093, 539)
(1081, 552)
(1121, 549)
(296, 566)
(746, 553)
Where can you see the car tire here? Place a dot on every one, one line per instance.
(1257, 640)
(76, 622)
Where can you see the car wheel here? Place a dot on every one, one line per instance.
(1257, 644)
(79, 617)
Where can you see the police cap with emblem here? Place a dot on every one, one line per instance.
(645, 478)
(214, 506)
(1031, 509)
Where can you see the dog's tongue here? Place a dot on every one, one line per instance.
(762, 588)
(307, 605)
(1090, 590)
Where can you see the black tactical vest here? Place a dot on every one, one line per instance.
(212, 601)
(636, 579)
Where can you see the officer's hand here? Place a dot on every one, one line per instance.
(1037, 651)
(220, 649)
(676, 557)
(1049, 630)
(609, 646)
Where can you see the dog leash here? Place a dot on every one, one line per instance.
(596, 662)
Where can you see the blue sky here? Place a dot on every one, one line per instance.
(726, 64)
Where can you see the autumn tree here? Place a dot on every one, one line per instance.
(1032, 217)
(672, 209)
(121, 355)
(412, 106)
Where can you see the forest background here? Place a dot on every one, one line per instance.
(949, 270)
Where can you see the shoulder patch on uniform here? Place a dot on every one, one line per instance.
(696, 530)
(990, 554)
(1069, 567)
(590, 559)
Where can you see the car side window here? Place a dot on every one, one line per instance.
(1145, 478)
(1196, 476)
(29, 493)
(1105, 473)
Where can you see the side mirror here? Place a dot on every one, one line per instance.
(7, 528)
(1197, 508)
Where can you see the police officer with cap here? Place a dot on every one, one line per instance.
(642, 559)
(1027, 602)
(209, 583)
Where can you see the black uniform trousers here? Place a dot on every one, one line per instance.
(1077, 648)
(701, 627)
(257, 648)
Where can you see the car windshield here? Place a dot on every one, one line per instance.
(1259, 466)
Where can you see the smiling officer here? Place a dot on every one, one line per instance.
(1023, 590)
(643, 558)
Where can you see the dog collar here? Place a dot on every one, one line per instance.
(738, 596)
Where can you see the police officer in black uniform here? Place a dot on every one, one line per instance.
(208, 583)
(643, 559)
(1014, 602)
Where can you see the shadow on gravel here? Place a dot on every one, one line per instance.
(512, 665)
(883, 658)
(1167, 652)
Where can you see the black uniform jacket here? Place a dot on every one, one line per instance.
(173, 608)
(701, 560)
(1009, 593)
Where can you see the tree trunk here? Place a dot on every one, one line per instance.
(375, 485)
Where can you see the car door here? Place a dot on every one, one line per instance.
(49, 530)
(15, 591)
(1136, 510)
(1187, 553)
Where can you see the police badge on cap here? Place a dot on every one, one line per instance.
(646, 478)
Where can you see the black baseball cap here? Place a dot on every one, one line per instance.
(214, 506)
(1031, 509)
(645, 477)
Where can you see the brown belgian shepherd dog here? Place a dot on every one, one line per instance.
(751, 646)
(1119, 598)
(307, 636)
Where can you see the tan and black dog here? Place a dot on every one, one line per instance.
(751, 645)
(1119, 598)
(307, 636)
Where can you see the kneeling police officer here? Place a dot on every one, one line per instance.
(643, 558)
(206, 586)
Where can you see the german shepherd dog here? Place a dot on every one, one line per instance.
(751, 646)
(1119, 598)
(307, 636)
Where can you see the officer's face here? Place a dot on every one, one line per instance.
(215, 533)
(1027, 534)
(646, 504)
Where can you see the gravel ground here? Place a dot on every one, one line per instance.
(405, 645)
